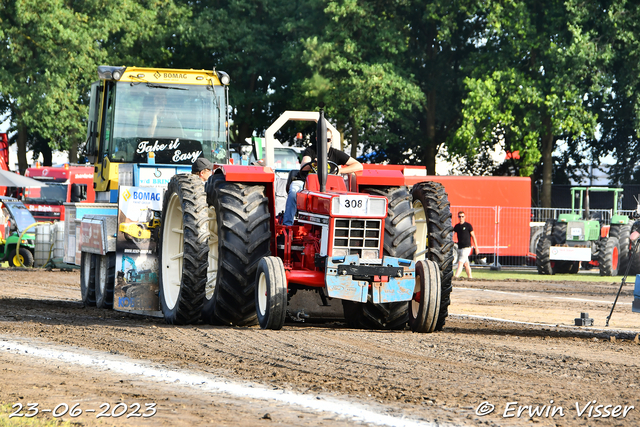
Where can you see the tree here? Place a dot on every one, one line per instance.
(52, 50)
(531, 84)
(256, 42)
(615, 26)
(354, 66)
(442, 45)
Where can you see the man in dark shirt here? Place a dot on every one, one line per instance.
(203, 168)
(464, 232)
(346, 164)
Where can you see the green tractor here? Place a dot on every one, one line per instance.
(14, 219)
(580, 237)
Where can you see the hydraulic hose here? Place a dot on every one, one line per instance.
(20, 239)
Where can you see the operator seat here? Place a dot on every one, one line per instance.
(334, 183)
(345, 182)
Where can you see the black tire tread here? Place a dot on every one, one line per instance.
(622, 232)
(605, 251)
(27, 256)
(635, 257)
(276, 311)
(426, 318)
(189, 188)
(106, 300)
(559, 233)
(88, 293)
(543, 250)
(243, 240)
(440, 235)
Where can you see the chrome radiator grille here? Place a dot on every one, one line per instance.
(353, 236)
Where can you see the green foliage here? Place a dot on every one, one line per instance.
(536, 64)
(354, 65)
(52, 50)
(615, 26)
(257, 43)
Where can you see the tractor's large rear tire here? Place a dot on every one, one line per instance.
(399, 242)
(105, 276)
(424, 308)
(88, 279)
(559, 233)
(622, 232)
(543, 262)
(184, 249)
(547, 228)
(535, 234)
(609, 256)
(434, 234)
(242, 231)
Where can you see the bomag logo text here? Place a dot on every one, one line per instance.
(174, 76)
(137, 195)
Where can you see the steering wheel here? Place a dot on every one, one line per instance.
(333, 167)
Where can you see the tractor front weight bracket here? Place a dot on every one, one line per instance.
(393, 280)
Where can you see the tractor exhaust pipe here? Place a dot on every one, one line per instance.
(586, 205)
(321, 139)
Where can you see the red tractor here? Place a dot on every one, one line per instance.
(383, 249)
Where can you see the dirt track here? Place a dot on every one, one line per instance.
(442, 377)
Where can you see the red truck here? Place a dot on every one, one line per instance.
(498, 207)
(66, 183)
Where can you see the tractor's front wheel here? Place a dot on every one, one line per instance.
(424, 308)
(88, 279)
(434, 237)
(23, 258)
(271, 293)
(184, 249)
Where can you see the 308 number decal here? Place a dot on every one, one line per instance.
(353, 205)
(357, 204)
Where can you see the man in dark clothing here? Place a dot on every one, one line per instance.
(203, 168)
(346, 164)
(464, 232)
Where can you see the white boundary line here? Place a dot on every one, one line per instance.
(209, 383)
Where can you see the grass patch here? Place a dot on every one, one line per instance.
(513, 274)
(6, 409)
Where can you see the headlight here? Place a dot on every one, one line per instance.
(377, 207)
(370, 254)
(339, 252)
(106, 72)
(224, 77)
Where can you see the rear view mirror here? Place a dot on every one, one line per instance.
(78, 192)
